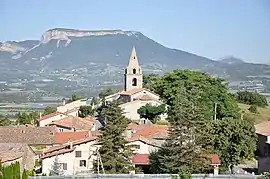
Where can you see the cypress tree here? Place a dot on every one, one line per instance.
(24, 174)
(182, 151)
(115, 154)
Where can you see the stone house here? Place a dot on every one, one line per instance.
(134, 95)
(72, 123)
(13, 152)
(74, 157)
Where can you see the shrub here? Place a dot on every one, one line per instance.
(162, 122)
(253, 109)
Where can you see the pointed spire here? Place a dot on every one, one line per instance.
(133, 60)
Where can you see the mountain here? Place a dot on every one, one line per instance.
(106, 52)
(232, 60)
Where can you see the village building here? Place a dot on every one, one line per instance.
(147, 138)
(74, 157)
(134, 95)
(17, 152)
(263, 146)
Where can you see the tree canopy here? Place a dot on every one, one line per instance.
(4, 121)
(151, 112)
(74, 97)
(27, 118)
(85, 111)
(251, 98)
(106, 92)
(48, 110)
(220, 136)
(214, 91)
(115, 154)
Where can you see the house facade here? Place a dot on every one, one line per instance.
(74, 157)
(134, 95)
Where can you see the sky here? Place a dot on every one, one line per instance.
(209, 28)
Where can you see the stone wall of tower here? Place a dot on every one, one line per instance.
(133, 73)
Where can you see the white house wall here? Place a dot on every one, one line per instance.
(73, 163)
(144, 148)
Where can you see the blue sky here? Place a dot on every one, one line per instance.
(210, 28)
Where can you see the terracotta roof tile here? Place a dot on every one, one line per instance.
(65, 148)
(10, 156)
(152, 131)
(214, 159)
(27, 134)
(140, 159)
(132, 91)
(48, 116)
(77, 123)
(64, 137)
(263, 128)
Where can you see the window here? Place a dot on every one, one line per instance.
(134, 82)
(61, 130)
(82, 163)
(134, 57)
(137, 146)
(134, 71)
(64, 166)
(78, 154)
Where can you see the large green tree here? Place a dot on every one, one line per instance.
(27, 118)
(214, 91)
(182, 151)
(115, 154)
(48, 110)
(233, 140)
(151, 112)
(85, 111)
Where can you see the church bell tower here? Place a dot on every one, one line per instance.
(133, 73)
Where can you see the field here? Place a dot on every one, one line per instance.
(263, 113)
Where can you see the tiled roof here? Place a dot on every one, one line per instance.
(64, 137)
(71, 110)
(48, 116)
(140, 159)
(27, 134)
(77, 123)
(58, 152)
(263, 128)
(95, 133)
(214, 159)
(137, 127)
(65, 148)
(152, 131)
(132, 91)
(10, 156)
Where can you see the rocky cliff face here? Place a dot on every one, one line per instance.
(11, 48)
(64, 34)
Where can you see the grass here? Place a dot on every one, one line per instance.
(262, 115)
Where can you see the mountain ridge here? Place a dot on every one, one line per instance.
(64, 48)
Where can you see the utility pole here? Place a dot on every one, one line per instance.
(215, 113)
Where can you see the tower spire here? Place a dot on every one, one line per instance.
(133, 60)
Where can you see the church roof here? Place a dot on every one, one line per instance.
(133, 60)
(132, 91)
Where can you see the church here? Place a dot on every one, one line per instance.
(134, 95)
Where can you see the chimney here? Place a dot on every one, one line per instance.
(70, 143)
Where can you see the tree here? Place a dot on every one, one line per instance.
(115, 153)
(149, 80)
(182, 151)
(233, 140)
(106, 92)
(85, 111)
(48, 110)
(253, 109)
(151, 112)
(4, 121)
(56, 167)
(24, 174)
(212, 90)
(24, 118)
(74, 97)
(251, 98)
